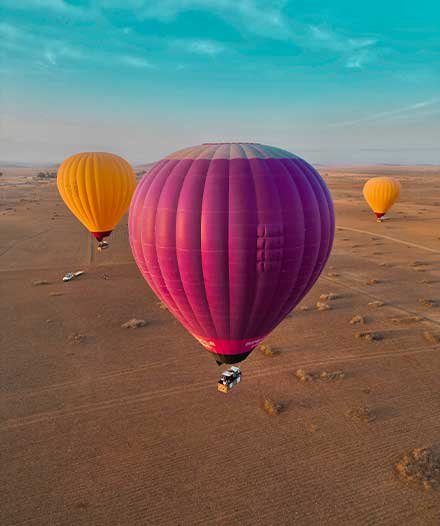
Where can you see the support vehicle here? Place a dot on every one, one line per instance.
(229, 379)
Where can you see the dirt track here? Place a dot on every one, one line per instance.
(126, 427)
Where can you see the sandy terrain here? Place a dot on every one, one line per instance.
(102, 425)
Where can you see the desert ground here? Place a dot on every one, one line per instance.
(102, 425)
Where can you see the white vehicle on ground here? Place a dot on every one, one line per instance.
(70, 275)
(229, 379)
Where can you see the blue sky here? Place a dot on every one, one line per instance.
(335, 82)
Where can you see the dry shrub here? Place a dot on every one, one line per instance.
(267, 350)
(333, 275)
(357, 320)
(304, 307)
(76, 338)
(427, 302)
(369, 336)
(375, 304)
(271, 408)
(372, 281)
(419, 263)
(134, 324)
(430, 337)
(312, 428)
(420, 466)
(39, 282)
(322, 306)
(406, 319)
(162, 305)
(362, 414)
(329, 296)
(302, 376)
(325, 376)
(331, 376)
(56, 293)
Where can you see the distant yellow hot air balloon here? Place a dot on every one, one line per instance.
(97, 188)
(381, 193)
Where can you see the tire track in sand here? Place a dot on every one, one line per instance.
(13, 244)
(396, 240)
(387, 303)
(200, 386)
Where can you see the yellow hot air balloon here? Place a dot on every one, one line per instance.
(381, 193)
(97, 188)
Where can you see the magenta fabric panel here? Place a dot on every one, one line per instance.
(214, 244)
(231, 245)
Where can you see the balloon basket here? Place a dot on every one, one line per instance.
(102, 245)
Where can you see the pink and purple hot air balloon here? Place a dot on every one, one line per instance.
(231, 236)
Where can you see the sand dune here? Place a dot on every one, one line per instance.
(105, 426)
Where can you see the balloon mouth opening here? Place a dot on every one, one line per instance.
(99, 236)
(229, 358)
(379, 214)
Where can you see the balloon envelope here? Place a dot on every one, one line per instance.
(381, 193)
(97, 188)
(231, 237)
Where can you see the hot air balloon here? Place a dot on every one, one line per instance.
(231, 236)
(97, 187)
(381, 193)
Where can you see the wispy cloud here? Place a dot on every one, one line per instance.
(357, 52)
(134, 62)
(8, 30)
(263, 19)
(56, 6)
(56, 52)
(257, 16)
(53, 52)
(332, 40)
(50, 57)
(200, 46)
(251, 18)
(42, 49)
(206, 47)
(358, 59)
(383, 115)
